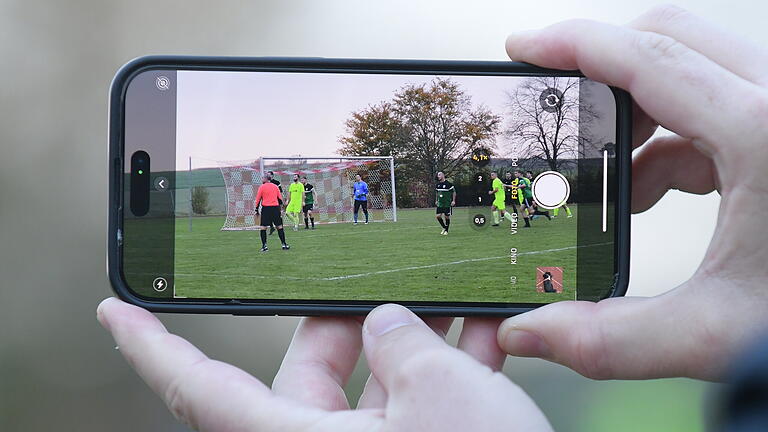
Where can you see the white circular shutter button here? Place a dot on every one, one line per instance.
(550, 189)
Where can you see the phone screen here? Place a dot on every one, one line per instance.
(420, 188)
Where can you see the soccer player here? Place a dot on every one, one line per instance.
(295, 201)
(534, 204)
(525, 196)
(445, 198)
(360, 192)
(510, 190)
(498, 206)
(270, 197)
(276, 182)
(309, 203)
(547, 282)
(567, 211)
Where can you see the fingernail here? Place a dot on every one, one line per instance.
(523, 343)
(386, 318)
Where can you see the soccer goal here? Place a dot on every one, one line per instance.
(332, 178)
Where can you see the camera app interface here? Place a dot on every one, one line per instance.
(383, 187)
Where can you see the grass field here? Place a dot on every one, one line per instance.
(407, 260)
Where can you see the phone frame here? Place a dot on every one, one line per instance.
(116, 161)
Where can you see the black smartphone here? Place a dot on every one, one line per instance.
(312, 186)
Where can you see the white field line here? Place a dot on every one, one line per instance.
(396, 270)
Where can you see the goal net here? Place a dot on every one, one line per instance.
(332, 179)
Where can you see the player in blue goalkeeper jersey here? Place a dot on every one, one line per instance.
(360, 192)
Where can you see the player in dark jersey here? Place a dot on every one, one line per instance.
(269, 198)
(309, 203)
(534, 205)
(525, 196)
(548, 287)
(445, 199)
(276, 182)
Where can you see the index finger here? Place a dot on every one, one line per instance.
(203, 393)
(319, 361)
(672, 83)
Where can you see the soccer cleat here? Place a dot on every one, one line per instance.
(264, 248)
(306, 227)
(286, 247)
(313, 227)
(570, 216)
(443, 232)
(495, 225)
(295, 227)
(271, 230)
(366, 223)
(355, 222)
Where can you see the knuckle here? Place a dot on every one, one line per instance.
(655, 46)
(176, 392)
(175, 400)
(422, 366)
(592, 356)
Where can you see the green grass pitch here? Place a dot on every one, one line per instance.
(407, 260)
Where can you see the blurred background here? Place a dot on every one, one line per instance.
(59, 370)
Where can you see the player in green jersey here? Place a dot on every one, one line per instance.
(445, 199)
(309, 203)
(498, 207)
(295, 201)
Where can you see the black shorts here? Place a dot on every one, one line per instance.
(307, 207)
(548, 287)
(361, 203)
(528, 202)
(443, 210)
(270, 215)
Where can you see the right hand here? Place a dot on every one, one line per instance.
(711, 88)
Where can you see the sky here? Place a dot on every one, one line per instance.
(237, 116)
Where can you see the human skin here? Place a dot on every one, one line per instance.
(710, 88)
(418, 381)
(704, 84)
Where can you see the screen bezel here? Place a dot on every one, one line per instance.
(341, 307)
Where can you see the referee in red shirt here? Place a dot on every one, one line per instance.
(270, 197)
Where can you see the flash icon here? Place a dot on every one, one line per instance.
(159, 284)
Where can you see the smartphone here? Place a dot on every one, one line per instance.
(313, 186)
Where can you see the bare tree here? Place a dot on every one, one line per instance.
(544, 125)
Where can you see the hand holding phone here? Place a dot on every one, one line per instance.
(709, 87)
(419, 379)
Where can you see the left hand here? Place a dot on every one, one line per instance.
(418, 382)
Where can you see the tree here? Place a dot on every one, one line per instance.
(543, 128)
(427, 127)
(200, 200)
(374, 131)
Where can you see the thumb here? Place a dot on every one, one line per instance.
(433, 386)
(625, 338)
